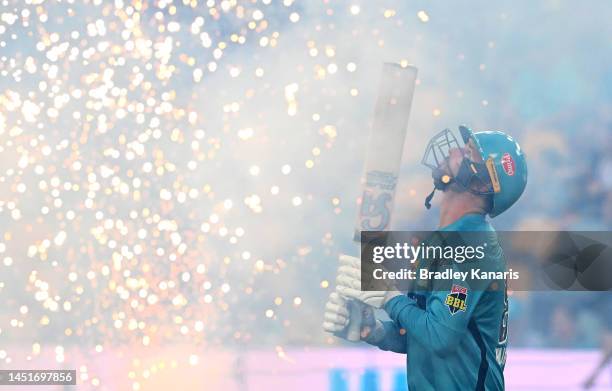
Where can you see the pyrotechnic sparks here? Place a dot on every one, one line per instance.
(157, 160)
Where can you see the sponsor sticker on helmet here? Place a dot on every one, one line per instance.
(493, 175)
(508, 164)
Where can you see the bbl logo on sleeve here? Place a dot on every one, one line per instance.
(456, 300)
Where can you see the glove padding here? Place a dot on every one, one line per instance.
(348, 284)
(337, 317)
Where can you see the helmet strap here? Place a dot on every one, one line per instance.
(441, 181)
(429, 198)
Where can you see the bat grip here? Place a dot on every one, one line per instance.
(354, 326)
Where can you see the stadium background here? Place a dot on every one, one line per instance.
(178, 178)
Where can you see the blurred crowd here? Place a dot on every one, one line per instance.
(571, 319)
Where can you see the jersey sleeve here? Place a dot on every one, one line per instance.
(394, 338)
(444, 320)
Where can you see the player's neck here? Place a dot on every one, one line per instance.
(456, 205)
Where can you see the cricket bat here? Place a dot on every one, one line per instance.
(383, 160)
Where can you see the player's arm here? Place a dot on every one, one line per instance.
(387, 336)
(436, 327)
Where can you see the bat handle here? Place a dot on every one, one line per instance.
(354, 326)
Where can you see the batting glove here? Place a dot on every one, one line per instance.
(337, 317)
(348, 284)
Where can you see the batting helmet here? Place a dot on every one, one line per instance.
(505, 163)
(501, 173)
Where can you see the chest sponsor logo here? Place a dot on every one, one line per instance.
(456, 300)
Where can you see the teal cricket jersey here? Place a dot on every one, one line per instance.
(454, 339)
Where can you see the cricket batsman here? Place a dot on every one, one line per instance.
(454, 339)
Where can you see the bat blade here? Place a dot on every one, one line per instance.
(385, 147)
(383, 159)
